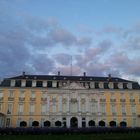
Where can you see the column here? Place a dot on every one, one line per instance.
(48, 105)
(79, 105)
(68, 122)
(87, 105)
(79, 122)
(68, 104)
(60, 104)
(87, 120)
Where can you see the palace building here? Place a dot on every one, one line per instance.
(69, 101)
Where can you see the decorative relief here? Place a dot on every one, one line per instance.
(73, 100)
(53, 100)
(93, 100)
(83, 101)
(64, 100)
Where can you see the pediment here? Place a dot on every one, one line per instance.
(73, 85)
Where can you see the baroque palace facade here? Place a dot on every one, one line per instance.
(69, 101)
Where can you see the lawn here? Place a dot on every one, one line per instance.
(125, 136)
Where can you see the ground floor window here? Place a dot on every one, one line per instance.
(47, 123)
(35, 123)
(23, 124)
(101, 123)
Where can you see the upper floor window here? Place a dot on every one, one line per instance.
(13, 83)
(11, 93)
(10, 108)
(122, 95)
(34, 83)
(0, 107)
(44, 94)
(49, 83)
(1, 94)
(32, 94)
(22, 94)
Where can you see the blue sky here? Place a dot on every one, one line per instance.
(40, 36)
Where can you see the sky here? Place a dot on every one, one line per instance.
(99, 37)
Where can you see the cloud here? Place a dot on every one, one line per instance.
(65, 70)
(62, 58)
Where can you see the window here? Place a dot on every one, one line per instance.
(23, 83)
(54, 106)
(134, 121)
(44, 94)
(133, 110)
(9, 109)
(13, 83)
(1, 95)
(32, 94)
(44, 83)
(43, 108)
(20, 108)
(8, 122)
(33, 83)
(94, 107)
(83, 105)
(49, 83)
(54, 84)
(22, 94)
(92, 85)
(113, 108)
(122, 95)
(123, 109)
(103, 108)
(11, 93)
(18, 83)
(39, 84)
(112, 95)
(0, 107)
(32, 108)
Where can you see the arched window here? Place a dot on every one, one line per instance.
(57, 123)
(47, 124)
(123, 124)
(91, 123)
(112, 123)
(23, 124)
(101, 123)
(35, 123)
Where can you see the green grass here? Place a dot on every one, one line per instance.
(125, 136)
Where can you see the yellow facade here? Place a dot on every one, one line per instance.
(72, 104)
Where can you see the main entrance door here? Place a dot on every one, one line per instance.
(74, 122)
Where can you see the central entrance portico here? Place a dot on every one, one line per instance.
(74, 122)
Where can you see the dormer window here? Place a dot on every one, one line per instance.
(129, 85)
(101, 85)
(13, 83)
(120, 85)
(110, 85)
(33, 83)
(23, 83)
(92, 85)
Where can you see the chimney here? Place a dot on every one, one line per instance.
(58, 73)
(84, 74)
(109, 77)
(23, 73)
